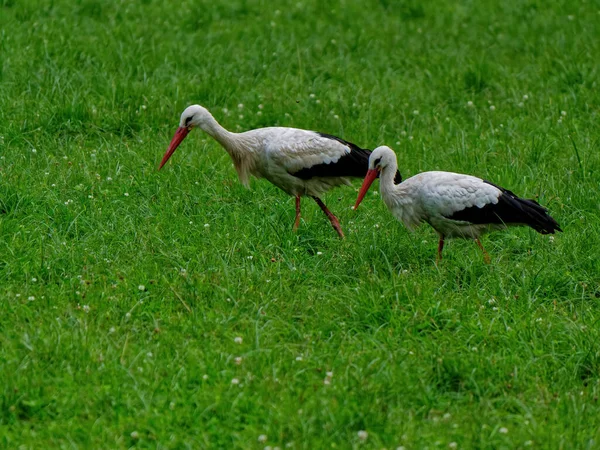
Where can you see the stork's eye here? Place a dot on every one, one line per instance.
(188, 120)
(376, 162)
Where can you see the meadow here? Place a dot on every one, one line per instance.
(177, 309)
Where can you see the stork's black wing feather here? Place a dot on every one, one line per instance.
(353, 164)
(510, 209)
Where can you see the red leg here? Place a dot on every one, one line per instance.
(440, 248)
(486, 257)
(334, 222)
(297, 222)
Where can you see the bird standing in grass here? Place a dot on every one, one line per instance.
(299, 162)
(455, 205)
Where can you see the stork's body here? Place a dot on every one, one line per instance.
(300, 162)
(455, 205)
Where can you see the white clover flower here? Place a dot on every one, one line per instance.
(362, 435)
(319, 253)
(30, 298)
(260, 106)
(526, 97)
(240, 106)
(126, 194)
(299, 358)
(86, 308)
(238, 340)
(141, 287)
(112, 330)
(135, 435)
(33, 280)
(452, 445)
(235, 381)
(238, 360)
(262, 438)
(563, 113)
(492, 108)
(470, 104)
(108, 179)
(205, 377)
(503, 430)
(416, 112)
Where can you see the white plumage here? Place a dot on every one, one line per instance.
(455, 205)
(300, 162)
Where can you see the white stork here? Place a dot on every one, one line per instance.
(299, 162)
(455, 205)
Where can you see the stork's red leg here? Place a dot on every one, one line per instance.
(440, 248)
(297, 222)
(334, 222)
(486, 257)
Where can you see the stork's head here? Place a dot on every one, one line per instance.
(192, 116)
(380, 158)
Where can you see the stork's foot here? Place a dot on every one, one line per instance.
(486, 256)
(335, 223)
(440, 248)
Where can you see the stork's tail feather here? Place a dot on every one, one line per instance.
(537, 215)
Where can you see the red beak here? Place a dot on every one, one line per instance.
(180, 135)
(369, 178)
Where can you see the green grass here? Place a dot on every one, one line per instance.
(119, 306)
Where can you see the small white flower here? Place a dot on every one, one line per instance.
(397, 142)
(126, 194)
(33, 150)
(172, 406)
(410, 138)
(128, 315)
(416, 112)
(206, 225)
(491, 301)
(149, 355)
(318, 101)
(327, 381)
(141, 287)
(403, 133)
(86, 308)
(238, 360)
(570, 17)
(260, 106)
(551, 238)
(563, 113)
(235, 381)
(33, 280)
(402, 447)
(333, 41)
(319, 253)
(135, 435)
(259, 113)
(108, 179)
(363, 435)
(238, 340)
(205, 377)
(53, 185)
(521, 104)
(329, 374)
(492, 108)
(143, 106)
(526, 97)
(250, 257)
(470, 104)
(262, 438)
(30, 298)
(335, 116)
(452, 445)
(474, 349)
(241, 116)
(112, 330)
(240, 106)
(299, 358)
(503, 430)
(191, 223)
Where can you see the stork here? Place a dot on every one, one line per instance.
(299, 162)
(455, 205)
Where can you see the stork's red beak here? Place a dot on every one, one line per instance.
(180, 135)
(369, 178)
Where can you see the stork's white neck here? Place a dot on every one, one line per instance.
(214, 129)
(386, 180)
(240, 150)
